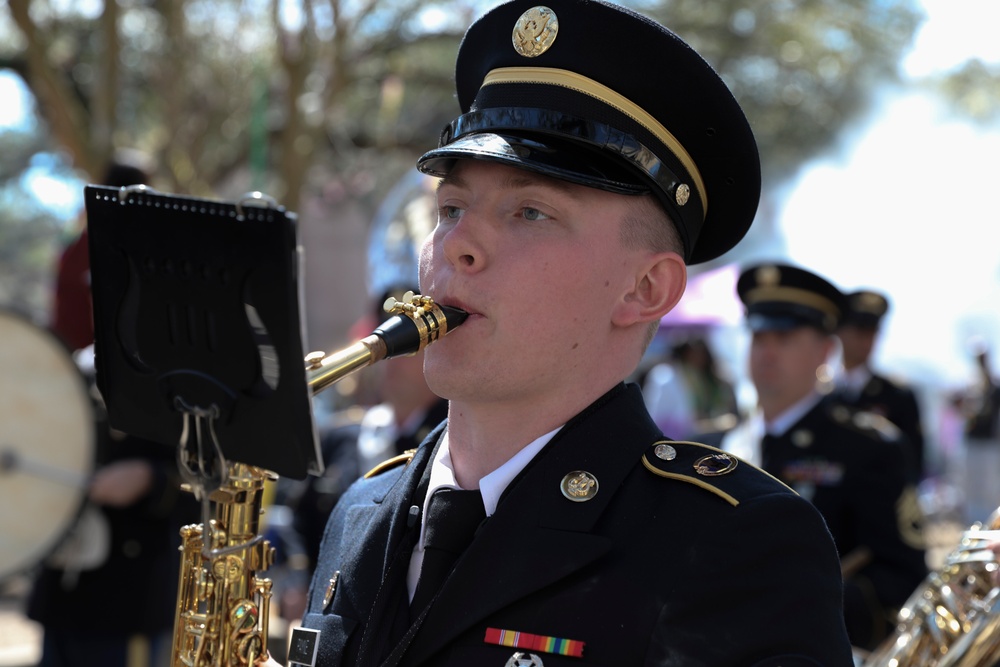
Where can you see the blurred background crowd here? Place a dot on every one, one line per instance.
(878, 122)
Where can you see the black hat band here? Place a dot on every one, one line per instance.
(546, 121)
(564, 78)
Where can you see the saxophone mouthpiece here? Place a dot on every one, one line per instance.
(454, 316)
(417, 323)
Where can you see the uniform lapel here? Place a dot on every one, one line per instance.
(537, 536)
(382, 521)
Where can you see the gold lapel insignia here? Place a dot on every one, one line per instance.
(579, 486)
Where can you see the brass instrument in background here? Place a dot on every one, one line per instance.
(952, 619)
(222, 603)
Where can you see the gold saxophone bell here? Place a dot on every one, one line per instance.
(222, 603)
(952, 619)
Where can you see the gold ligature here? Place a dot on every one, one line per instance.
(222, 602)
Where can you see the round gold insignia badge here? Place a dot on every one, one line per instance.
(579, 486)
(535, 31)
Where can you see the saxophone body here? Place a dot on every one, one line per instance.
(223, 603)
(952, 619)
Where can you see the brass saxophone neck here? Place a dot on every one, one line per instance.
(417, 322)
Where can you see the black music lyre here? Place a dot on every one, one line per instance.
(198, 324)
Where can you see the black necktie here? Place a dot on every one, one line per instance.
(452, 518)
(767, 447)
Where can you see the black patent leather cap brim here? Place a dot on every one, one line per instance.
(760, 322)
(547, 156)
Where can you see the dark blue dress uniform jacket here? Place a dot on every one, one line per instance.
(899, 405)
(857, 480)
(662, 567)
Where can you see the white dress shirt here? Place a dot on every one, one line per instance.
(491, 486)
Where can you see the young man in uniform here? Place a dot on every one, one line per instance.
(596, 155)
(849, 464)
(861, 387)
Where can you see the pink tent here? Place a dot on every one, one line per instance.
(709, 301)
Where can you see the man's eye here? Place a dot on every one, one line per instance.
(533, 214)
(450, 212)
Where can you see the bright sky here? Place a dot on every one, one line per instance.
(13, 110)
(910, 208)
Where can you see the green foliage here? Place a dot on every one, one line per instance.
(332, 99)
(801, 69)
(30, 234)
(973, 90)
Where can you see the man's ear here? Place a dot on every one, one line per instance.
(659, 285)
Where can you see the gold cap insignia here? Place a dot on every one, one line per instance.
(768, 275)
(869, 302)
(579, 486)
(714, 465)
(535, 31)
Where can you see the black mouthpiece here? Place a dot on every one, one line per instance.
(408, 333)
(454, 316)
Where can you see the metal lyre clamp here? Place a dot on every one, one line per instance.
(255, 199)
(127, 190)
(195, 414)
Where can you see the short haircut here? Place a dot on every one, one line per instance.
(647, 226)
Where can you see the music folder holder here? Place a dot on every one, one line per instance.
(198, 327)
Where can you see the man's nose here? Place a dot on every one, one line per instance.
(463, 244)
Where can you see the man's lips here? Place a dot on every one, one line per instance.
(461, 305)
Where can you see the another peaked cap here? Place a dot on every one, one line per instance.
(865, 309)
(781, 297)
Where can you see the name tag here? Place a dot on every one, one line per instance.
(303, 646)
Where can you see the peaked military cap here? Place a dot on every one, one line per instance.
(596, 94)
(781, 297)
(865, 309)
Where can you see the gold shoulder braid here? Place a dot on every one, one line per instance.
(702, 465)
(388, 464)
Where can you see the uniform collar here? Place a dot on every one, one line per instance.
(854, 381)
(780, 424)
(493, 484)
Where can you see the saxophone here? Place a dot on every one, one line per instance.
(952, 618)
(222, 603)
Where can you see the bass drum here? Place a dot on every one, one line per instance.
(47, 443)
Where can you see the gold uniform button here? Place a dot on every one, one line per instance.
(665, 452)
(802, 438)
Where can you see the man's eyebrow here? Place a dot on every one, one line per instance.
(512, 181)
